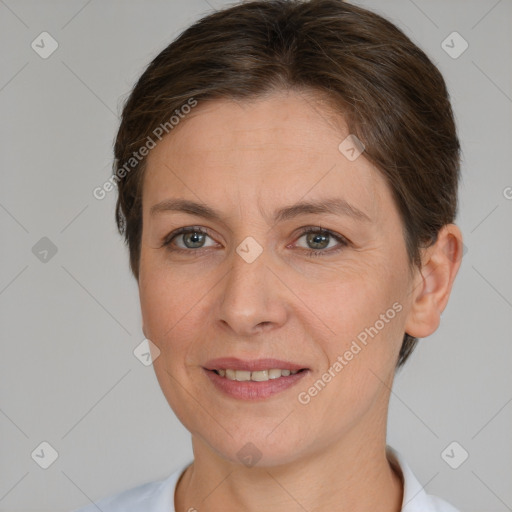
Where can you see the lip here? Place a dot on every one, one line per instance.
(252, 390)
(254, 365)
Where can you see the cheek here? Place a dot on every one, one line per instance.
(361, 361)
(365, 315)
(350, 301)
(174, 307)
(163, 302)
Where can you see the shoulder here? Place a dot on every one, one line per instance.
(415, 497)
(156, 496)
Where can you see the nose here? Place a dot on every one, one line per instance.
(253, 299)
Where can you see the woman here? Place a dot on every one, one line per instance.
(287, 177)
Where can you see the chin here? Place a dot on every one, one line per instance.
(257, 447)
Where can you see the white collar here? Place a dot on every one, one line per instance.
(415, 498)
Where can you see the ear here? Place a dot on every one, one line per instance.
(432, 284)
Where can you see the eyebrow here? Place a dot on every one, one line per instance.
(335, 205)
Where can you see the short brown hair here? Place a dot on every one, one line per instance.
(392, 97)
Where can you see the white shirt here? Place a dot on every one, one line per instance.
(158, 496)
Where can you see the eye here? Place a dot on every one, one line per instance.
(319, 239)
(191, 237)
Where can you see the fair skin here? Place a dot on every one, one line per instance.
(246, 161)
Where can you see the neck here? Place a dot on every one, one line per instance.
(353, 475)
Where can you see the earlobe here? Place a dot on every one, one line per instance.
(433, 283)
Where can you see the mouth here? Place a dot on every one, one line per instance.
(255, 376)
(249, 387)
(255, 379)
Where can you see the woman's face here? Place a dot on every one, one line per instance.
(255, 286)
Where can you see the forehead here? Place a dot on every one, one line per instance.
(235, 153)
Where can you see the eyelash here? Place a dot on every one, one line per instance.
(310, 252)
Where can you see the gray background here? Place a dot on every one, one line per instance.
(69, 325)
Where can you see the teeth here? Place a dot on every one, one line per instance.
(259, 376)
